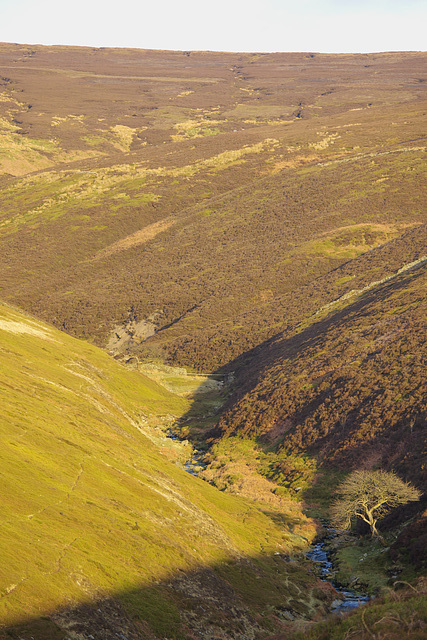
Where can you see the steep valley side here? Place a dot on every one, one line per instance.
(102, 533)
(245, 235)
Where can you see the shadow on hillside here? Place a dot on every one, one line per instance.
(252, 364)
(231, 600)
(356, 412)
(236, 597)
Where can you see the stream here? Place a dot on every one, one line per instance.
(319, 553)
(194, 464)
(350, 599)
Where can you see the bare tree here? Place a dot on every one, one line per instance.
(370, 495)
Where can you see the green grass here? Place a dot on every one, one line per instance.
(290, 475)
(156, 609)
(90, 502)
(367, 560)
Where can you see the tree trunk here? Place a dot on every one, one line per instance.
(374, 531)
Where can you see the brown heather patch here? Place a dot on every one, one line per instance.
(297, 161)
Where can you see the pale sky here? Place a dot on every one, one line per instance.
(330, 26)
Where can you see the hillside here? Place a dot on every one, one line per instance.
(180, 196)
(348, 387)
(101, 532)
(232, 247)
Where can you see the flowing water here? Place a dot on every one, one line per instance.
(349, 599)
(195, 464)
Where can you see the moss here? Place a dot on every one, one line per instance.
(368, 561)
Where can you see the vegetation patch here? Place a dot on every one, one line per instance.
(399, 614)
(99, 504)
(222, 215)
(196, 129)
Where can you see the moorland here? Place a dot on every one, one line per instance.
(230, 247)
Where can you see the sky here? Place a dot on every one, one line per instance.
(329, 26)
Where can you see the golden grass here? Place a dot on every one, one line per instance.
(125, 136)
(196, 128)
(326, 141)
(30, 328)
(20, 155)
(58, 120)
(135, 239)
(352, 240)
(90, 506)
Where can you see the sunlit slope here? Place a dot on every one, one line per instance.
(176, 192)
(90, 506)
(61, 104)
(129, 244)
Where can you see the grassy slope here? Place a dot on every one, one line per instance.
(94, 512)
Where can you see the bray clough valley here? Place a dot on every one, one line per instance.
(212, 342)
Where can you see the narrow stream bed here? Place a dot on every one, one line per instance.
(319, 552)
(350, 599)
(195, 464)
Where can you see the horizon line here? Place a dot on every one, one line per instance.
(224, 51)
